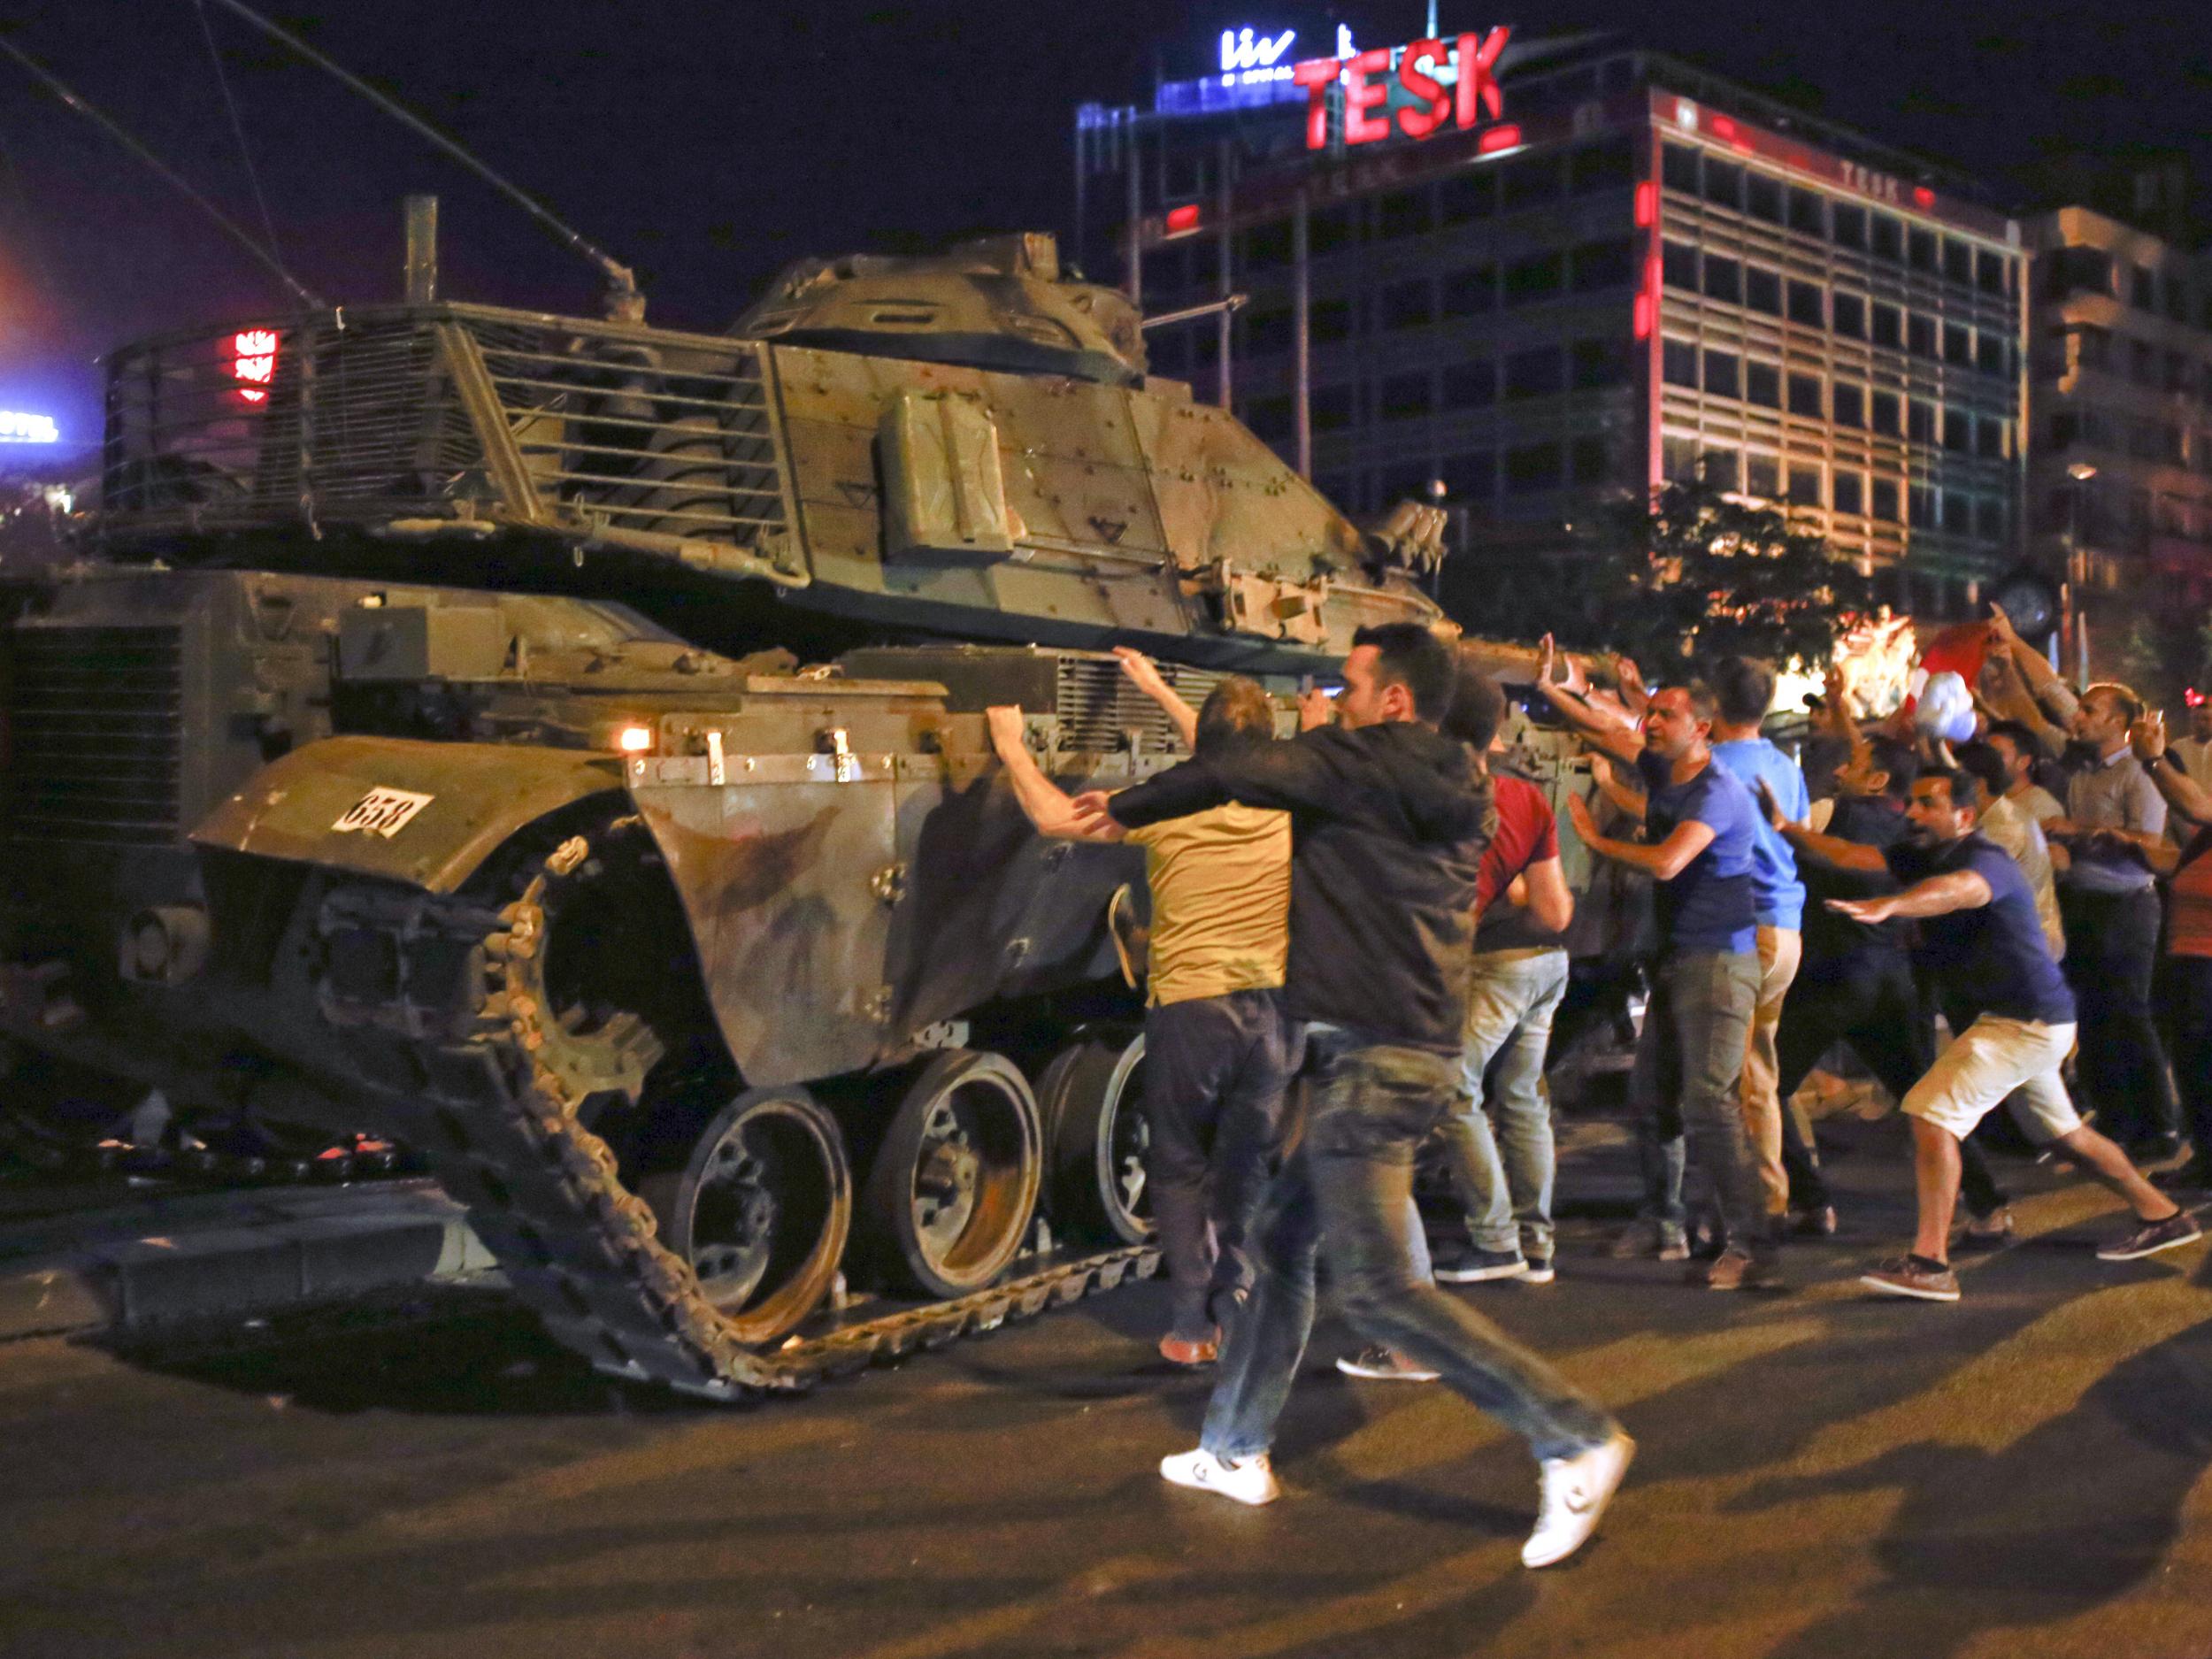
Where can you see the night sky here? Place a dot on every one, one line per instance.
(710, 143)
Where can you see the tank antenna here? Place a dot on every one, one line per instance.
(99, 118)
(624, 302)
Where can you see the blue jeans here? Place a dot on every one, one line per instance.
(1687, 1078)
(1504, 1177)
(1348, 1191)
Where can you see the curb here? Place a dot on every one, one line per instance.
(199, 1257)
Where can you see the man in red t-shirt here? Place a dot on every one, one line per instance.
(1500, 1148)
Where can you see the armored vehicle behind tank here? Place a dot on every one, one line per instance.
(558, 746)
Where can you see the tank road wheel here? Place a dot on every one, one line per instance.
(1097, 1135)
(954, 1182)
(761, 1211)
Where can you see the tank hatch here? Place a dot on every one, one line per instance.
(996, 302)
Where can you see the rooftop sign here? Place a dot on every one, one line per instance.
(1437, 85)
(18, 428)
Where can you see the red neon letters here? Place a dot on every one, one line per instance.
(253, 362)
(1367, 83)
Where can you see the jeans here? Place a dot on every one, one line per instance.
(1687, 1085)
(2190, 988)
(1504, 1176)
(1215, 1070)
(1781, 951)
(2111, 946)
(1348, 1192)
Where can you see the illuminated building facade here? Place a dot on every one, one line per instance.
(1621, 271)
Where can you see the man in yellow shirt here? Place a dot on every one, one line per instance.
(1218, 1048)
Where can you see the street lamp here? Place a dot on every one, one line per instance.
(2076, 571)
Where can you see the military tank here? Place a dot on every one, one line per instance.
(557, 745)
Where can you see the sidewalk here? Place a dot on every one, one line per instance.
(170, 1260)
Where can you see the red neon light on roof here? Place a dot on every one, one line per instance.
(1498, 138)
(1643, 317)
(253, 362)
(1646, 204)
(1923, 196)
(1182, 219)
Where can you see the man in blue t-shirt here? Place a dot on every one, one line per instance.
(1983, 944)
(1701, 830)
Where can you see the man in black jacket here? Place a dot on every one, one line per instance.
(1389, 824)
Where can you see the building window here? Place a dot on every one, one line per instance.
(1533, 280)
(1402, 214)
(1761, 476)
(1530, 180)
(1763, 197)
(1677, 363)
(1920, 501)
(1958, 345)
(1958, 431)
(1602, 166)
(1889, 239)
(1805, 397)
(1472, 476)
(1677, 264)
(1604, 264)
(1850, 405)
(1536, 372)
(1804, 486)
(1889, 324)
(1264, 332)
(1331, 407)
(1678, 460)
(1472, 292)
(1330, 319)
(1332, 228)
(1271, 419)
(1886, 500)
(1723, 279)
(1989, 438)
(1723, 373)
(1762, 290)
(1920, 335)
(1848, 313)
(1989, 271)
(1466, 196)
(1267, 245)
(1989, 518)
(1806, 308)
(2076, 270)
(1340, 487)
(1678, 166)
(1958, 513)
(1885, 414)
(1847, 491)
(1601, 362)
(1990, 353)
(1591, 459)
(1723, 469)
(1410, 393)
(1849, 225)
(1531, 467)
(1408, 305)
(1471, 385)
(1920, 249)
(1958, 262)
(1920, 422)
(1763, 385)
(1808, 212)
(1723, 182)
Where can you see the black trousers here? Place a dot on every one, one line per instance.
(2189, 988)
(2111, 948)
(1871, 1001)
(1216, 1069)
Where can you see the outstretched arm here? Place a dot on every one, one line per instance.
(2183, 792)
(1938, 895)
(1669, 859)
(1145, 675)
(1047, 807)
(1623, 742)
(1831, 850)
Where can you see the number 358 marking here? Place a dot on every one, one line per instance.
(382, 812)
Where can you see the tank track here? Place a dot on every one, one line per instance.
(476, 1079)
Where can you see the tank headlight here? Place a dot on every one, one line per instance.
(634, 740)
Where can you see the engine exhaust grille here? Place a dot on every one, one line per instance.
(96, 724)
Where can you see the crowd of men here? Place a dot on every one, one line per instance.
(1378, 910)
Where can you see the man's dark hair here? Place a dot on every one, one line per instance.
(2130, 705)
(1743, 688)
(1900, 761)
(1477, 704)
(1986, 764)
(1409, 655)
(1965, 789)
(1703, 703)
(1236, 711)
(2014, 732)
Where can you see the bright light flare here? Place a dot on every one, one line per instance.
(634, 740)
(253, 362)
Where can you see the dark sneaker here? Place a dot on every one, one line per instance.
(2178, 1229)
(1736, 1270)
(1645, 1237)
(1379, 1364)
(1539, 1271)
(1817, 1223)
(1992, 1231)
(1911, 1275)
(1478, 1267)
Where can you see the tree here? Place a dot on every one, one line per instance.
(2166, 649)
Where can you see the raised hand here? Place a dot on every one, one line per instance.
(1141, 670)
(1315, 709)
(1867, 910)
(1634, 692)
(1009, 732)
(2148, 737)
(1578, 813)
(1771, 807)
(1547, 656)
(2000, 626)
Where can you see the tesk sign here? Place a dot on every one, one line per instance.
(1448, 84)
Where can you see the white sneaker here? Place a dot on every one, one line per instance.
(1379, 1364)
(1576, 1491)
(1250, 1481)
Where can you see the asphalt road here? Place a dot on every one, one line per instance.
(2024, 1473)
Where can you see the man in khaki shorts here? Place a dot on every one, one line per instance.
(1981, 941)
